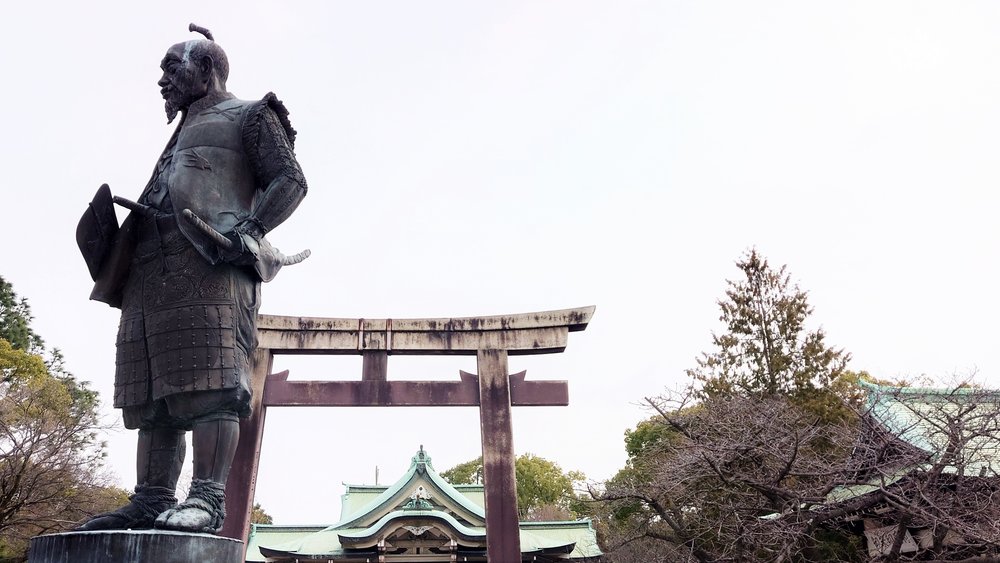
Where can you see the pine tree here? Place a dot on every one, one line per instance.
(15, 320)
(767, 349)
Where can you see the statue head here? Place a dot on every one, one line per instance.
(191, 71)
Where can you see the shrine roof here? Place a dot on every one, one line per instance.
(276, 535)
(420, 500)
(575, 539)
(475, 533)
(420, 473)
(357, 496)
(921, 416)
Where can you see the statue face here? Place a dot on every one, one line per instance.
(183, 82)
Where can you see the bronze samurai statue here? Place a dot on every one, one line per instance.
(185, 268)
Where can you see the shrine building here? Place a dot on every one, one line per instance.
(421, 518)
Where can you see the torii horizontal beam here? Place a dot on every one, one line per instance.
(528, 333)
(279, 392)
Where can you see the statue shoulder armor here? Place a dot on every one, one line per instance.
(257, 111)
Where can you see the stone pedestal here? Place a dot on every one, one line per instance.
(134, 546)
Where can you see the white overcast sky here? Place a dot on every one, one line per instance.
(473, 158)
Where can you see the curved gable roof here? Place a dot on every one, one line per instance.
(420, 473)
(396, 518)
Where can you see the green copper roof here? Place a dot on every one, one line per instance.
(920, 417)
(847, 492)
(928, 418)
(579, 533)
(276, 535)
(475, 533)
(422, 470)
(420, 500)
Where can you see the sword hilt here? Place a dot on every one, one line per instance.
(207, 230)
(139, 208)
(227, 244)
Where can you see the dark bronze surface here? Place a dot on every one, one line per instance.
(134, 547)
(97, 230)
(186, 268)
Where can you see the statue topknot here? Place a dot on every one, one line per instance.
(201, 30)
(209, 47)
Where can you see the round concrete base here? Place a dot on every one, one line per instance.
(134, 546)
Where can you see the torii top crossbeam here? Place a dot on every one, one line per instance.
(491, 339)
(527, 333)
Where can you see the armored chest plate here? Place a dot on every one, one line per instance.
(209, 172)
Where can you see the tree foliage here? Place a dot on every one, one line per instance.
(259, 516)
(544, 490)
(542, 483)
(760, 429)
(50, 454)
(775, 452)
(700, 489)
(467, 473)
(767, 348)
(15, 320)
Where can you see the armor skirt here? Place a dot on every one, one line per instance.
(186, 326)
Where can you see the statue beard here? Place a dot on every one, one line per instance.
(180, 96)
(172, 110)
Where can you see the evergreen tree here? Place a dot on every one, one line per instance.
(15, 320)
(767, 349)
(762, 429)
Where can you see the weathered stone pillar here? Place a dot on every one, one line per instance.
(134, 546)
(503, 542)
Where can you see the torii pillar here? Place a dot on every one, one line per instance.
(493, 390)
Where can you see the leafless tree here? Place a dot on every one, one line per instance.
(764, 479)
(931, 458)
(721, 469)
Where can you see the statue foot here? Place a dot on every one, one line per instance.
(138, 514)
(188, 517)
(203, 511)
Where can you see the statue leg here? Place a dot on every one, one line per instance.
(159, 459)
(214, 447)
(204, 510)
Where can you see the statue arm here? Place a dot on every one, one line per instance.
(268, 139)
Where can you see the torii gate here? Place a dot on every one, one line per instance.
(490, 339)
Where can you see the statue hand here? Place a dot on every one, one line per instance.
(242, 251)
(240, 246)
